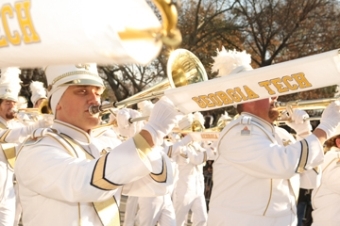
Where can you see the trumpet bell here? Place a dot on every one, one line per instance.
(44, 107)
(184, 68)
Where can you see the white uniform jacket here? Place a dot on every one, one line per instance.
(326, 198)
(58, 188)
(255, 174)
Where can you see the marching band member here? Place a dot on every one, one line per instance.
(260, 167)
(38, 93)
(66, 170)
(159, 209)
(326, 198)
(127, 130)
(12, 133)
(189, 189)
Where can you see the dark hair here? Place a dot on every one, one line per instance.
(239, 108)
(330, 143)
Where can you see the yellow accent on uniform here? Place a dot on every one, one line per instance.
(10, 154)
(161, 177)
(303, 156)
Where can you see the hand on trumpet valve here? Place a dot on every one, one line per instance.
(126, 128)
(162, 120)
(299, 122)
(330, 119)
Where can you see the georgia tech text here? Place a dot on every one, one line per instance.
(20, 13)
(275, 86)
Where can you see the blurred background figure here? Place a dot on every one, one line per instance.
(326, 198)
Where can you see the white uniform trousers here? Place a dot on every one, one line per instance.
(7, 196)
(185, 202)
(130, 211)
(153, 210)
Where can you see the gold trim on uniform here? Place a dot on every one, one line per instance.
(143, 148)
(160, 177)
(303, 156)
(4, 135)
(72, 73)
(98, 177)
(9, 152)
(105, 208)
(317, 169)
(205, 156)
(170, 151)
(270, 197)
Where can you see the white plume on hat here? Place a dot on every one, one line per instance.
(10, 83)
(224, 119)
(199, 117)
(38, 91)
(225, 116)
(231, 62)
(22, 102)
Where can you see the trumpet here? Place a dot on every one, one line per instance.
(183, 68)
(198, 133)
(42, 109)
(302, 104)
(305, 104)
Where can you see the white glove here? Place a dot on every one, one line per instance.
(299, 122)
(162, 120)
(183, 142)
(145, 107)
(126, 128)
(330, 119)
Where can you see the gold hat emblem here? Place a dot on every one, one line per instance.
(86, 66)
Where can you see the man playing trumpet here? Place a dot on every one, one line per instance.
(66, 175)
(260, 167)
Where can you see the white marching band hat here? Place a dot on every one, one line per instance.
(10, 83)
(60, 77)
(38, 91)
(68, 75)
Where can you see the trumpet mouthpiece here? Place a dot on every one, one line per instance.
(94, 109)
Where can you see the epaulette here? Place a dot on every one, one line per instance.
(245, 121)
(37, 135)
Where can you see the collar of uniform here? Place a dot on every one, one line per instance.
(260, 121)
(72, 131)
(3, 121)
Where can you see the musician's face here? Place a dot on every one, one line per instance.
(6, 109)
(74, 104)
(263, 109)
